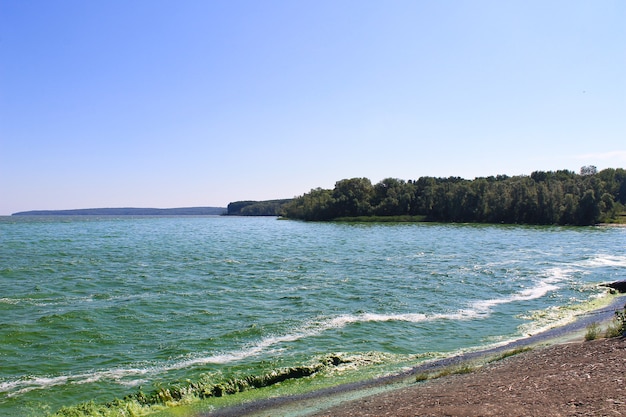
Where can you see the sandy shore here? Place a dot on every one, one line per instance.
(569, 379)
(559, 375)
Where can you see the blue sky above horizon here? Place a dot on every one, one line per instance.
(155, 103)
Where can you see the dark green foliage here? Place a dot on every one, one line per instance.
(352, 197)
(562, 197)
(256, 208)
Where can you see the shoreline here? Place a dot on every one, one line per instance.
(316, 402)
(565, 379)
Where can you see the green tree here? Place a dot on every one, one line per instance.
(392, 197)
(352, 197)
(607, 207)
(560, 197)
(568, 210)
(588, 211)
(315, 206)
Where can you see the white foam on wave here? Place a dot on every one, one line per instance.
(316, 328)
(607, 260)
(27, 384)
(253, 350)
(540, 289)
(347, 319)
(485, 306)
(138, 375)
(134, 376)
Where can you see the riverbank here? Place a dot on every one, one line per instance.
(547, 373)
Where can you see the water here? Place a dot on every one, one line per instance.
(91, 308)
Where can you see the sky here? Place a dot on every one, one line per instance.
(180, 103)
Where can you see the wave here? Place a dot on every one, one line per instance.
(63, 300)
(541, 288)
(607, 260)
(138, 375)
(24, 385)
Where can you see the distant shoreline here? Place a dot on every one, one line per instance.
(127, 211)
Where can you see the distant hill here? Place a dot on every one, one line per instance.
(128, 211)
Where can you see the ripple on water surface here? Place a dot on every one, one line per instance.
(93, 309)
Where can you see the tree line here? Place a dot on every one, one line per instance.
(256, 208)
(554, 197)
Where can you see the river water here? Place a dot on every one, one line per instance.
(92, 308)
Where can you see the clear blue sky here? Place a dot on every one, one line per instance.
(150, 103)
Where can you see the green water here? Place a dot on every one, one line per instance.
(93, 308)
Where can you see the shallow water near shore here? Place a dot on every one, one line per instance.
(95, 308)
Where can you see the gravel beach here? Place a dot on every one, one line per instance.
(569, 379)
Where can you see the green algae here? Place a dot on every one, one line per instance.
(541, 320)
(207, 393)
(110, 305)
